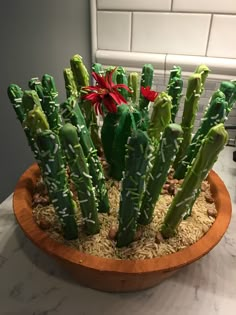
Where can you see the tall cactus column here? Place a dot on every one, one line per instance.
(213, 143)
(136, 161)
(81, 177)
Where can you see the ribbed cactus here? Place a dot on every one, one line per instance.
(174, 89)
(146, 80)
(215, 114)
(169, 145)
(80, 177)
(71, 113)
(206, 157)
(70, 85)
(161, 116)
(190, 110)
(136, 161)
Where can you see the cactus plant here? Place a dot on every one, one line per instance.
(138, 147)
(174, 89)
(80, 177)
(190, 110)
(215, 114)
(161, 116)
(136, 161)
(168, 147)
(206, 157)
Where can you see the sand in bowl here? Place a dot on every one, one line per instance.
(148, 242)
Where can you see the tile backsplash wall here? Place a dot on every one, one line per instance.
(167, 32)
(192, 27)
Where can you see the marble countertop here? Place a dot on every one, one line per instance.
(31, 283)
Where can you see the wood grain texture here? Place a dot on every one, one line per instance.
(118, 275)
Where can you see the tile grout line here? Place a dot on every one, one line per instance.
(131, 32)
(209, 34)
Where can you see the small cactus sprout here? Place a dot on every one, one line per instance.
(174, 89)
(169, 145)
(136, 161)
(80, 177)
(30, 100)
(133, 84)
(212, 144)
(70, 85)
(161, 116)
(98, 68)
(215, 114)
(190, 110)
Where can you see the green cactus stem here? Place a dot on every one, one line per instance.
(79, 71)
(136, 161)
(121, 135)
(70, 85)
(80, 177)
(50, 103)
(15, 95)
(98, 68)
(168, 147)
(72, 113)
(121, 78)
(214, 115)
(229, 90)
(161, 116)
(55, 178)
(146, 80)
(110, 123)
(185, 197)
(190, 110)
(133, 84)
(174, 89)
(30, 100)
(35, 84)
(203, 70)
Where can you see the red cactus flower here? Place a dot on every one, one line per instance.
(148, 93)
(105, 92)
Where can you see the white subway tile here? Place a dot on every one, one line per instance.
(222, 42)
(173, 33)
(114, 30)
(226, 6)
(133, 5)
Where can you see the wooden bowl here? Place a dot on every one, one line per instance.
(119, 275)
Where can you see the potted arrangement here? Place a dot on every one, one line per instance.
(125, 205)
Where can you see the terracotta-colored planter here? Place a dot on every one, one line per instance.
(119, 275)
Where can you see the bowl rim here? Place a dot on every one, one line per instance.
(22, 206)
